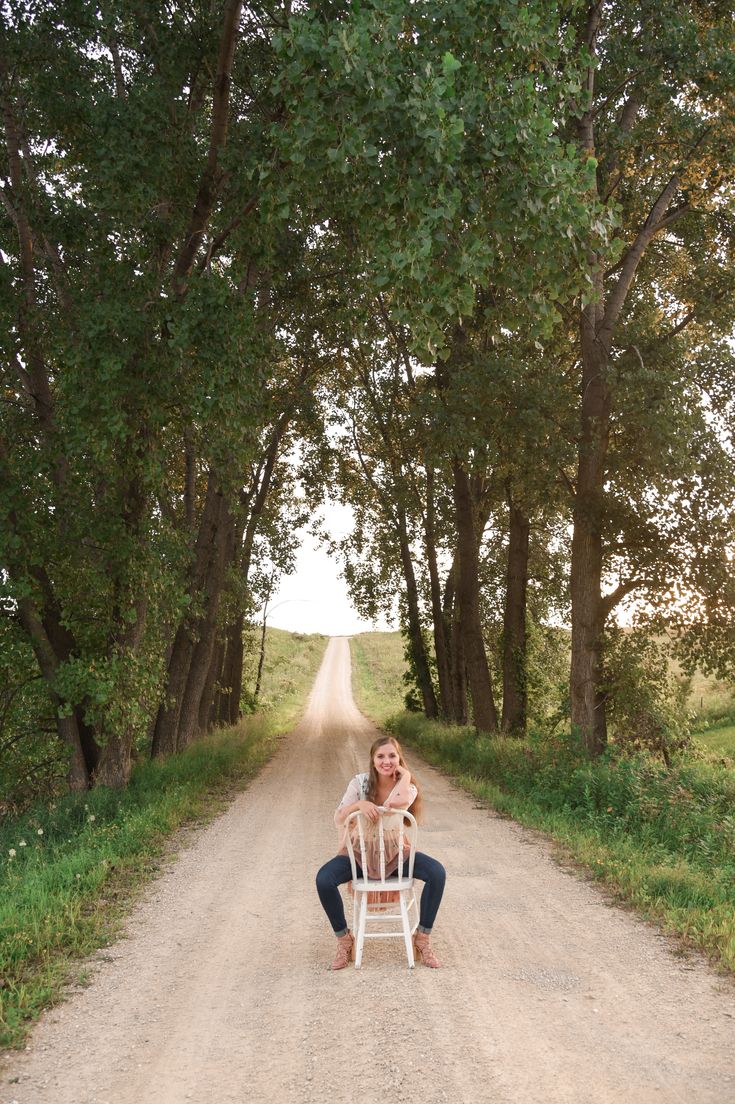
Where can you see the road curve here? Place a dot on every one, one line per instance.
(219, 990)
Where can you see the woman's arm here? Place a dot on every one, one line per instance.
(370, 810)
(353, 801)
(403, 793)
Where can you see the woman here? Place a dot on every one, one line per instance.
(388, 783)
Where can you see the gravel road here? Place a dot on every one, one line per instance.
(220, 990)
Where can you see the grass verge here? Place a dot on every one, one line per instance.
(377, 668)
(720, 740)
(662, 840)
(69, 870)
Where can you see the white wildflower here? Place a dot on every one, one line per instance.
(39, 832)
(11, 852)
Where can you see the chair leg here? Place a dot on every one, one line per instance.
(406, 930)
(361, 930)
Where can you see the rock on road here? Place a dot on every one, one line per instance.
(220, 990)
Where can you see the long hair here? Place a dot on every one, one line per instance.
(372, 789)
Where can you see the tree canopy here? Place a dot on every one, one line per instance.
(475, 258)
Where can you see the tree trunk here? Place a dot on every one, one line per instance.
(77, 775)
(201, 659)
(588, 615)
(165, 733)
(459, 672)
(229, 702)
(167, 721)
(441, 643)
(457, 666)
(468, 592)
(515, 698)
(116, 761)
(261, 653)
(415, 636)
(210, 695)
(67, 723)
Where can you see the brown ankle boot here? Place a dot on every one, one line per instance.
(345, 951)
(422, 950)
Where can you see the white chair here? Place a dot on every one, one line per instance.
(368, 908)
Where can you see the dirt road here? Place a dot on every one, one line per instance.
(220, 990)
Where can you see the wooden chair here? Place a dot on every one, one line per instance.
(372, 894)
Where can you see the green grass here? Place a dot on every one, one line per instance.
(721, 741)
(291, 663)
(377, 679)
(80, 861)
(663, 840)
(708, 699)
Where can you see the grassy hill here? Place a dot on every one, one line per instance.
(290, 666)
(377, 674)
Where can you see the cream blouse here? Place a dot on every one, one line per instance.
(357, 791)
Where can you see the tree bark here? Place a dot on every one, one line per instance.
(457, 665)
(67, 727)
(116, 761)
(261, 653)
(228, 708)
(588, 612)
(441, 644)
(468, 592)
(515, 697)
(206, 631)
(208, 182)
(210, 693)
(165, 733)
(415, 636)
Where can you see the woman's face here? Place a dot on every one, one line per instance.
(386, 760)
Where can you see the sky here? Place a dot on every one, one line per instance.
(314, 599)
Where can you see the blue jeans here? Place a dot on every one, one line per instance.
(338, 871)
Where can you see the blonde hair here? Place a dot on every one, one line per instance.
(372, 790)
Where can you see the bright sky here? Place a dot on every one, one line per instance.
(314, 599)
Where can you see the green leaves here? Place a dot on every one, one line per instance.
(450, 65)
(446, 142)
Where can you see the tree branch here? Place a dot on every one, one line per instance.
(631, 261)
(609, 601)
(206, 194)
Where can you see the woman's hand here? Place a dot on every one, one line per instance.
(371, 811)
(400, 795)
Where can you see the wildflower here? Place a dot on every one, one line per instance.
(39, 832)
(11, 852)
(609, 808)
(79, 877)
(91, 818)
(22, 844)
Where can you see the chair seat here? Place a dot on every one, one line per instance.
(382, 887)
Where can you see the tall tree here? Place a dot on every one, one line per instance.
(657, 117)
(136, 239)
